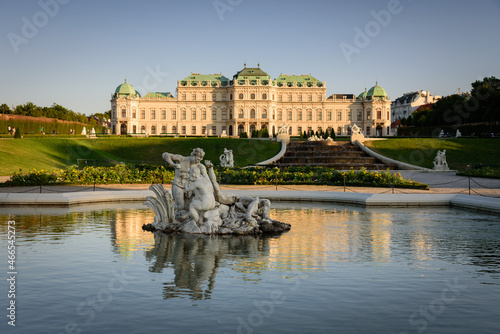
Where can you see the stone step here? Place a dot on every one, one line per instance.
(340, 166)
(310, 160)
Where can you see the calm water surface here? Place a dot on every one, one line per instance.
(341, 269)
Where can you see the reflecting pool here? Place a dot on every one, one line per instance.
(341, 269)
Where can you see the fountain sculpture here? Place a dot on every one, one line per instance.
(197, 205)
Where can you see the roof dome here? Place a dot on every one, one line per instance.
(125, 89)
(376, 92)
(363, 95)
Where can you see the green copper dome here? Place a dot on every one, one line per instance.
(125, 90)
(376, 92)
(363, 95)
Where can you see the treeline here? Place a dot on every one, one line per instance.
(55, 111)
(482, 105)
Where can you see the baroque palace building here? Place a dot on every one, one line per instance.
(212, 104)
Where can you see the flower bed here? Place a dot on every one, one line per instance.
(262, 176)
(488, 172)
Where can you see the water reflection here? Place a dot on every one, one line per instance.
(195, 260)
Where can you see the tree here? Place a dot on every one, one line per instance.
(4, 109)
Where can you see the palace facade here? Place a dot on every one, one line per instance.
(212, 104)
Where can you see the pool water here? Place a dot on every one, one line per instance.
(341, 269)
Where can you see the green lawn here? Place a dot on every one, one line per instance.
(460, 153)
(54, 153)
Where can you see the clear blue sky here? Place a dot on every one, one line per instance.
(83, 49)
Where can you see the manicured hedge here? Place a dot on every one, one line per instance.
(488, 172)
(263, 176)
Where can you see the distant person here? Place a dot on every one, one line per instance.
(41, 131)
(9, 129)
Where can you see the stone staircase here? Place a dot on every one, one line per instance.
(338, 155)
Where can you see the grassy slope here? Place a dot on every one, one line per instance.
(422, 151)
(53, 153)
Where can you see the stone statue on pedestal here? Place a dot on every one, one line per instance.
(226, 159)
(440, 161)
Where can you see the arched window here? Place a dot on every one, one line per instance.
(252, 128)
(379, 113)
(264, 96)
(230, 96)
(252, 96)
(264, 113)
(240, 114)
(134, 113)
(153, 114)
(164, 129)
(153, 130)
(143, 129)
(339, 131)
(124, 113)
(174, 129)
(240, 129)
(241, 96)
(252, 113)
(230, 113)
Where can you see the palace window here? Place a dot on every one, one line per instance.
(124, 113)
(153, 130)
(134, 129)
(299, 115)
(193, 114)
(339, 115)
(349, 131)
(289, 115)
(134, 113)
(223, 97)
(289, 97)
(388, 116)
(299, 130)
(379, 113)
(280, 115)
(143, 114)
(143, 129)
(174, 129)
(320, 98)
(193, 96)
(280, 98)
(241, 96)
(299, 98)
(163, 114)
(309, 98)
(204, 114)
(252, 113)
(240, 114)
(193, 130)
(224, 114)
(349, 115)
(183, 131)
(230, 96)
(184, 96)
(183, 114)
(174, 113)
(203, 130)
(252, 128)
(214, 114)
(264, 96)
(339, 131)
(368, 130)
(214, 130)
(252, 96)
(368, 114)
(264, 113)
(359, 116)
(164, 129)
(309, 115)
(320, 116)
(214, 97)
(153, 114)
(204, 97)
(328, 115)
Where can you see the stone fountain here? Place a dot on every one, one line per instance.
(197, 205)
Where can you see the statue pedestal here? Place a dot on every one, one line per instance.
(283, 136)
